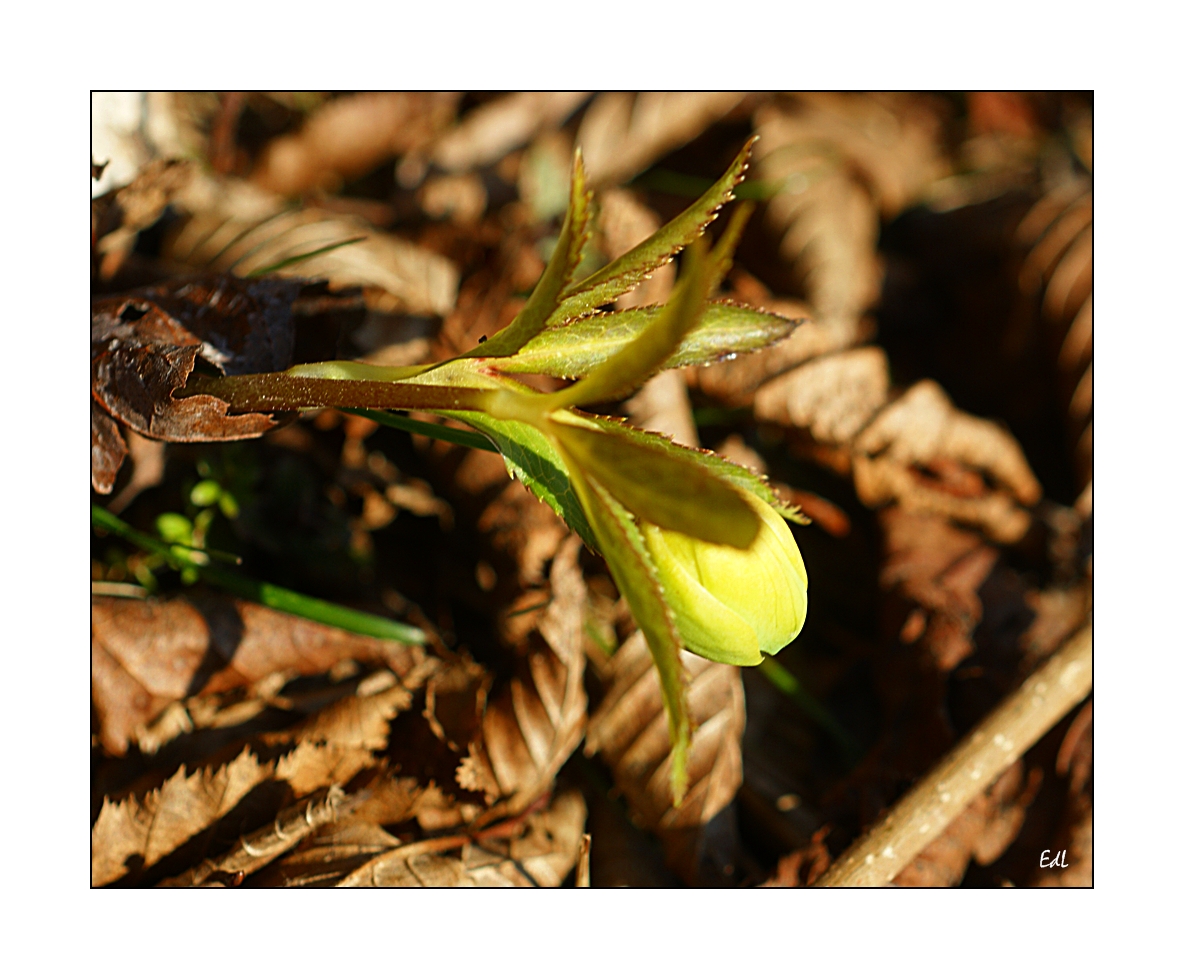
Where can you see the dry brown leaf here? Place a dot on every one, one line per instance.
(542, 857)
(234, 224)
(349, 136)
(107, 449)
(983, 832)
(828, 225)
(133, 834)
(621, 134)
(630, 731)
(490, 131)
(260, 848)
(147, 457)
(529, 730)
(148, 654)
(832, 397)
(329, 854)
(804, 866)
(892, 139)
(938, 569)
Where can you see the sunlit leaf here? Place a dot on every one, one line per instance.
(621, 275)
(633, 571)
(724, 330)
(664, 488)
(737, 475)
(531, 457)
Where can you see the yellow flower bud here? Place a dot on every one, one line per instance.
(732, 605)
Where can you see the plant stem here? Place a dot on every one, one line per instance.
(788, 684)
(974, 764)
(272, 596)
(286, 392)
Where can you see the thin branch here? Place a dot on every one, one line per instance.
(974, 764)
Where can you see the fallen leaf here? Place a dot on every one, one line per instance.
(530, 729)
(832, 397)
(629, 729)
(349, 136)
(622, 134)
(134, 834)
(542, 857)
(148, 654)
(487, 133)
(234, 225)
(107, 450)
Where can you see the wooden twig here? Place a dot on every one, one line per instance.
(973, 765)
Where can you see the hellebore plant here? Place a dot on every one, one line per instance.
(697, 545)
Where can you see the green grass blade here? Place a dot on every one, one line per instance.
(788, 684)
(273, 596)
(285, 262)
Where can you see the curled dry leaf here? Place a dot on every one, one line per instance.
(141, 354)
(541, 857)
(132, 835)
(621, 134)
(146, 655)
(983, 832)
(351, 135)
(630, 731)
(237, 226)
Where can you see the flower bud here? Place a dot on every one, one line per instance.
(732, 605)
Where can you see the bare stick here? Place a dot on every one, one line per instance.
(974, 763)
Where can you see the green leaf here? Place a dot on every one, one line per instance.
(556, 277)
(638, 360)
(633, 570)
(737, 475)
(724, 330)
(672, 490)
(623, 274)
(530, 457)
